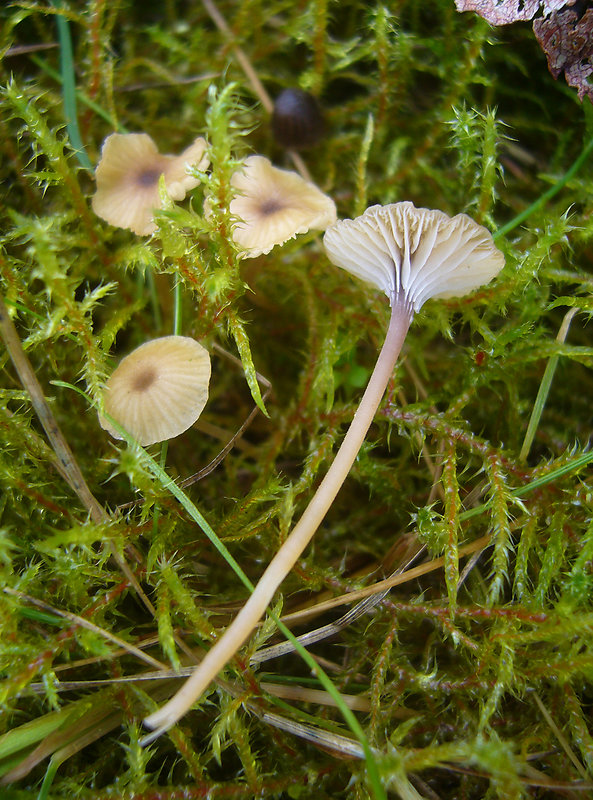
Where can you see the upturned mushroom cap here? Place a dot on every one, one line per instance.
(159, 390)
(128, 179)
(274, 205)
(421, 253)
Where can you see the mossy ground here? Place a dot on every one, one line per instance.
(475, 676)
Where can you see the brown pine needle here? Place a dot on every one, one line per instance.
(380, 586)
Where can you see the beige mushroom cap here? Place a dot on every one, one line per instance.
(417, 251)
(159, 390)
(128, 179)
(274, 205)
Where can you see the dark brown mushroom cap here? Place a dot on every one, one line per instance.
(297, 122)
(159, 390)
(419, 252)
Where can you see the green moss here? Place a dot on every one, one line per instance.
(475, 672)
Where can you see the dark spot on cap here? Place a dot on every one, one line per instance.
(148, 177)
(144, 379)
(271, 206)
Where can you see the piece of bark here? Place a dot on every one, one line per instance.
(567, 42)
(563, 28)
(501, 12)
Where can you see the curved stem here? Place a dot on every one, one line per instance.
(246, 620)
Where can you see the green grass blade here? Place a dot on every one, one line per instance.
(69, 92)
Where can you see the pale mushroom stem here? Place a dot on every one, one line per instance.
(284, 560)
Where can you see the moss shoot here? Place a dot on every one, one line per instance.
(446, 601)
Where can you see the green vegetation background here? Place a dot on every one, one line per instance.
(475, 678)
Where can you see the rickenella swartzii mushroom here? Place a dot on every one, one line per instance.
(411, 254)
(274, 205)
(159, 390)
(128, 179)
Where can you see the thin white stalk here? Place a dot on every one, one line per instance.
(284, 560)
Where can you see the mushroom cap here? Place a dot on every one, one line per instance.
(418, 251)
(159, 390)
(274, 205)
(297, 121)
(128, 175)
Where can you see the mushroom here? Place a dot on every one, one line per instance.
(159, 390)
(297, 121)
(411, 254)
(274, 205)
(128, 176)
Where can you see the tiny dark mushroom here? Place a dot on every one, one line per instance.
(297, 121)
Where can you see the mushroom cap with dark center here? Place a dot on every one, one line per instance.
(128, 179)
(419, 252)
(159, 390)
(273, 205)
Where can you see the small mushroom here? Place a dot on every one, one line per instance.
(159, 390)
(411, 254)
(274, 205)
(128, 176)
(297, 122)
(414, 252)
